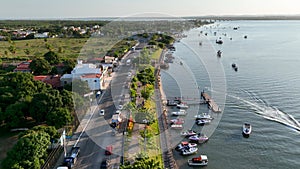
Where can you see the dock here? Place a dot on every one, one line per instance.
(211, 103)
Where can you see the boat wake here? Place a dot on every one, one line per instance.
(263, 109)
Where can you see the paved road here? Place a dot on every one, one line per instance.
(98, 133)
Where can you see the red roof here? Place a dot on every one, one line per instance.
(92, 76)
(53, 80)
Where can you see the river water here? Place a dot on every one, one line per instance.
(265, 91)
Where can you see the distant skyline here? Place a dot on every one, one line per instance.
(35, 9)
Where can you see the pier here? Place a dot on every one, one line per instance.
(211, 103)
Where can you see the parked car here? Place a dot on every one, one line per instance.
(102, 112)
(118, 112)
(120, 107)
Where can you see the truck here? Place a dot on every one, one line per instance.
(71, 159)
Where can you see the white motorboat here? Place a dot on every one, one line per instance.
(202, 160)
(203, 116)
(185, 145)
(200, 138)
(182, 106)
(189, 151)
(247, 129)
(188, 133)
(176, 126)
(179, 113)
(177, 121)
(203, 121)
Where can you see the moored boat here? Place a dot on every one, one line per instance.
(182, 106)
(202, 160)
(177, 121)
(219, 41)
(188, 133)
(179, 113)
(203, 121)
(219, 53)
(189, 151)
(185, 145)
(203, 116)
(177, 126)
(200, 138)
(247, 129)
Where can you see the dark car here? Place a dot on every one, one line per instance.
(105, 163)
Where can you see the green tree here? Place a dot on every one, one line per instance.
(14, 114)
(69, 65)
(29, 152)
(80, 87)
(40, 66)
(67, 99)
(43, 103)
(147, 91)
(59, 117)
(52, 57)
(12, 49)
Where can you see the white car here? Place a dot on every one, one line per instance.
(118, 112)
(102, 112)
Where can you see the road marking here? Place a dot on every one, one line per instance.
(93, 111)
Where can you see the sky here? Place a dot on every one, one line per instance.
(26, 9)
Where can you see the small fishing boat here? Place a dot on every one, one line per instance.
(219, 53)
(202, 160)
(203, 121)
(177, 126)
(247, 129)
(182, 106)
(233, 65)
(203, 116)
(179, 113)
(189, 151)
(200, 138)
(188, 133)
(172, 103)
(185, 145)
(219, 41)
(177, 121)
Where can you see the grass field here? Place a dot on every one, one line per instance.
(155, 55)
(65, 47)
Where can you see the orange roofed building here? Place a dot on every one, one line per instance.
(23, 67)
(53, 80)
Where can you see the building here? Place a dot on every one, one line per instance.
(24, 67)
(53, 80)
(89, 73)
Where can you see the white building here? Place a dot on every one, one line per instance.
(88, 73)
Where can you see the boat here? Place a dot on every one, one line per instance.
(203, 121)
(172, 103)
(247, 129)
(200, 138)
(189, 151)
(234, 66)
(177, 121)
(182, 106)
(179, 113)
(202, 160)
(176, 126)
(219, 53)
(203, 116)
(185, 145)
(245, 37)
(188, 133)
(219, 41)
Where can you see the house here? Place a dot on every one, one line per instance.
(109, 59)
(41, 35)
(53, 80)
(95, 81)
(24, 67)
(88, 72)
